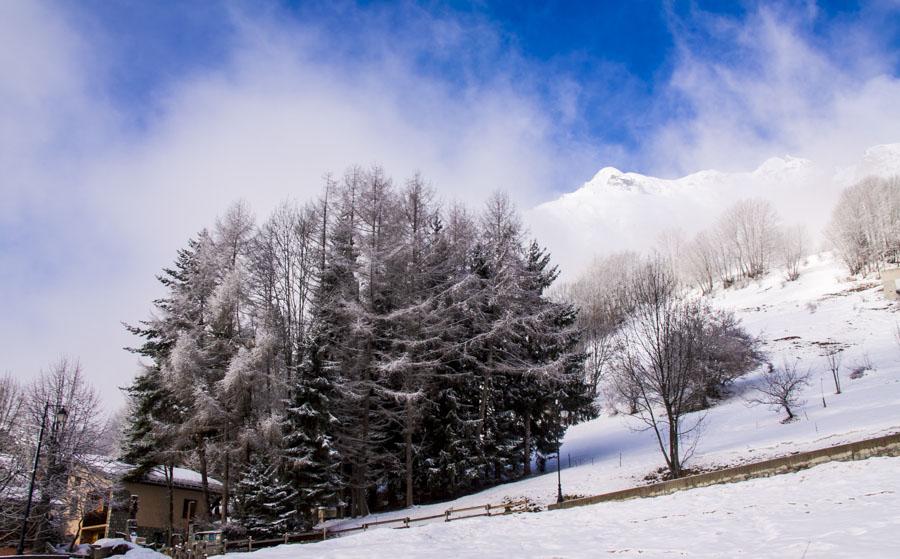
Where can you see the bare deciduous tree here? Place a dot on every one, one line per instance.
(834, 358)
(72, 441)
(600, 295)
(660, 360)
(865, 224)
(781, 386)
(702, 261)
(13, 456)
(792, 249)
(750, 229)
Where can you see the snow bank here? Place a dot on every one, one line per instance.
(846, 509)
(134, 551)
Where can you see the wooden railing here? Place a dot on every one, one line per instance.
(199, 550)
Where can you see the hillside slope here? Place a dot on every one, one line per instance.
(834, 510)
(794, 319)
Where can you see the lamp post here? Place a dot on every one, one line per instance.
(60, 418)
(563, 414)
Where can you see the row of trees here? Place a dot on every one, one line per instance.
(865, 224)
(367, 349)
(745, 242)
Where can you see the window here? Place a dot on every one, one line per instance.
(133, 507)
(189, 509)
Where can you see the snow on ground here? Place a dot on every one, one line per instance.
(822, 306)
(134, 551)
(841, 509)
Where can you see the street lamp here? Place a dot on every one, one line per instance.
(563, 414)
(59, 420)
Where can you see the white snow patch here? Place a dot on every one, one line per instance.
(847, 509)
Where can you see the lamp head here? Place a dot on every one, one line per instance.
(61, 415)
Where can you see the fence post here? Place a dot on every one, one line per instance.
(447, 515)
(249, 543)
(224, 546)
(285, 537)
(487, 508)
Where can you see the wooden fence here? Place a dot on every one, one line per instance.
(199, 550)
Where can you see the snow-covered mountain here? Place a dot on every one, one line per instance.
(617, 210)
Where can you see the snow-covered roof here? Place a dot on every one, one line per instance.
(181, 477)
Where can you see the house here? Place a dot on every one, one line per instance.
(891, 279)
(137, 505)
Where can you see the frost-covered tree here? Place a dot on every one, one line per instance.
(865, 224)
(749, 231)
(703, 261)
(381, 348)
(72, 441)
(600, 296)
(14, 464)
(792, 250)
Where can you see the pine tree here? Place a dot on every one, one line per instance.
(312, 461)
(266, 505)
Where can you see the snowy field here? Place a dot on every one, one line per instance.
(842, 509)
(819, 307)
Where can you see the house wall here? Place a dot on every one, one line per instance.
(890, 278)
(153, 505)
(152, 514)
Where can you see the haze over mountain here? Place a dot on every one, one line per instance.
(618, 210)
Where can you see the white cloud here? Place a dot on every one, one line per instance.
(763, 86)
(98, 208)
(91, 208)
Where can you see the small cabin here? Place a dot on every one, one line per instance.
(139, 506)
(891, 279)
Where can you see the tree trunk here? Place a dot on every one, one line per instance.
(409, 453)
(789, 412)
(204, 478)
(527, 444)
(674, 458)
(170, 495)
(226, 483)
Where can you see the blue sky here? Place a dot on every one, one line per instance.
(125, 126)
(618, 56)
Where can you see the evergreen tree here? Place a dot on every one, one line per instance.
(381, 349)
(265, 503)
(312, 461)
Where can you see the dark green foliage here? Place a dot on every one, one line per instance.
(266, 504)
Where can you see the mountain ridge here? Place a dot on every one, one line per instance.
(618, 210)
